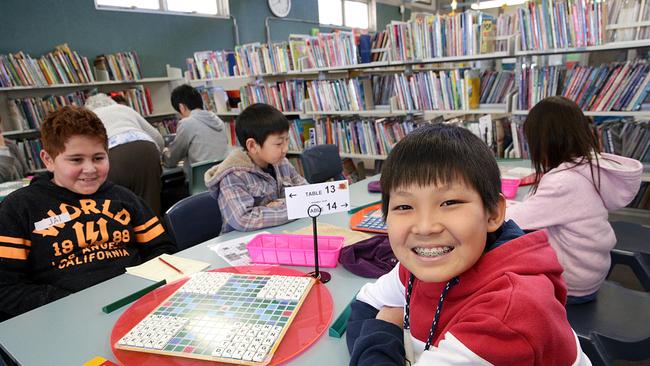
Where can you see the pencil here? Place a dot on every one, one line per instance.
(131, 298)
(171, 265)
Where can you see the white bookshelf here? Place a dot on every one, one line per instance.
(636, 114)
(159, 89)
(623, 45)
(88, 85)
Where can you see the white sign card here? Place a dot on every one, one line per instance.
(317, 199)
(485, 125)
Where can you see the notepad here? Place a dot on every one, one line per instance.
(156, 270)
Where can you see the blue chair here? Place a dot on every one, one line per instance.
(615, 326)
(321, 163)
(194, 220)
(197, 172)
(633, 249)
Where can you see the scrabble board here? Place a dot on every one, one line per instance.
(369, 219)
(221, 316)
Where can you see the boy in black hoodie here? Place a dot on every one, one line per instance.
(70, 228)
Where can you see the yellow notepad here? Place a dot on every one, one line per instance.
(157, 270)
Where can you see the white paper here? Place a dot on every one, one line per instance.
(485, 125)
(234, 251)
(156, 270)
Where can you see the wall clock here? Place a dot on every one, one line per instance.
(280, 8)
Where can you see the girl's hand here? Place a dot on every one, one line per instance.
(391, 315)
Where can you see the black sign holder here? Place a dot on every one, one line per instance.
(314, 211)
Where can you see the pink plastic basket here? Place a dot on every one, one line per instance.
(295, 250)
(509, 187)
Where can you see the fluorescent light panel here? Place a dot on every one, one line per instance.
(489, 4)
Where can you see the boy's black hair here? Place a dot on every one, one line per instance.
(187, 95)
(258, 121)
(440, 154)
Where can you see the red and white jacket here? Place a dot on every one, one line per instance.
(507, 309)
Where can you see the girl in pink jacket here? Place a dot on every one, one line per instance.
(576, 185)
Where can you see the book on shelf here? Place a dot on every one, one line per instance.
(623, 17)
(214, 98)
(626, 137)
(379, 47)
(120, 66)
(336, 95)
(286, 96)
(642, 198)
(298, 50)
(549, 24)
(31, 152)
(450, 89)
(60, 66)
(488, 33)
(608, 87)
(166, 127)
(30, 112)
(137, 97)
(209, 65)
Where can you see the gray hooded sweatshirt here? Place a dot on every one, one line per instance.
(199, 137)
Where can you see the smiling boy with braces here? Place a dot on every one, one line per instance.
(502, 290)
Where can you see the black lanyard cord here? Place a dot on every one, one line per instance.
(436, 317)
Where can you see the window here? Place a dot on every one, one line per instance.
(348, 13)
(183, 7)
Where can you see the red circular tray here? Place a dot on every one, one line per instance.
(310, 323)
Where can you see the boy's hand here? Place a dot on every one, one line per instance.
(391, 315)
(276, 203)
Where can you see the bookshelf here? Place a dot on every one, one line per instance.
(418, 54)
(159, 88)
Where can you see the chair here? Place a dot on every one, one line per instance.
(633, 249)
(614, 326)
(321, 163)
(194, 220)
(197, 172)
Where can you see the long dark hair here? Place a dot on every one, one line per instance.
(558, 132)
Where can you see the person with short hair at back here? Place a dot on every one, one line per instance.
(134, 148)
(12, 162)
(71, 228)
(200, 135)
(249, 184)
(469, 288)
(576, 186)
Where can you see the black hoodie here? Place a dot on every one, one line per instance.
(54, 242)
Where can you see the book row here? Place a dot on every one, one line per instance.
(119, 66)
(608, 87)
(61, 66)
(549, 24)
(429, 36)
(65, 66)
(30, 112)
(451, 90)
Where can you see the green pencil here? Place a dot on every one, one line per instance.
(131, 298)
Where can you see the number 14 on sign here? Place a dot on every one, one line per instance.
(329, 197)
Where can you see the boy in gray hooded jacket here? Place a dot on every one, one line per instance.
(200, 136)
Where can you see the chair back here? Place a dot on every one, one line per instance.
(632, 249)
(321, 163)
(194, 220)
(197, 172)
(614, 326)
